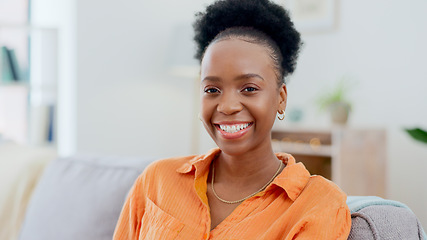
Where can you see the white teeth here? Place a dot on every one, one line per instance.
(233, 128)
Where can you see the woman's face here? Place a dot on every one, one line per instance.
(240, 95)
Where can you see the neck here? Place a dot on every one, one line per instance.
(250, 166)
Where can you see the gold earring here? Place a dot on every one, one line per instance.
(281, 115)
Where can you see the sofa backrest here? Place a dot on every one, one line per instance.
(80, 198)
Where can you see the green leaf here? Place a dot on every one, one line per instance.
(418, 134)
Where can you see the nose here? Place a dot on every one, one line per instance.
(229, 103)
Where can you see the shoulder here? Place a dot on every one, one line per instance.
(169, 164)
(323, 210)
(325, 191)
(177, 165)
(328, 214)
(164, 167)
(161, 179)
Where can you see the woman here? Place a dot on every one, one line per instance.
(241, 190)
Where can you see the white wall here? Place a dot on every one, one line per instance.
(128, 103)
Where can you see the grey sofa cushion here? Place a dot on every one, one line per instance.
(384, 222)
(80, 198)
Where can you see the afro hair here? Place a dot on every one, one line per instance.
(261, 15)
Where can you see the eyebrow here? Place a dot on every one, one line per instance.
(240, 77)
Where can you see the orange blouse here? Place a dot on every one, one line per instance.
(169, 201)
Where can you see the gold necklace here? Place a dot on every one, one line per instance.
(243, 199)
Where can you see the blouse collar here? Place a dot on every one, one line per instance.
(293, 178)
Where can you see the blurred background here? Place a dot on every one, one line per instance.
(117, 78)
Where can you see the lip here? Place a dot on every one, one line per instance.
(234, 135)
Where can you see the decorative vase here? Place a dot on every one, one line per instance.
(339, 112)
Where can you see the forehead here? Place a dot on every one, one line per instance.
(236, 56)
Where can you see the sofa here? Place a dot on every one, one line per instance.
(81, 197)
(20, 169)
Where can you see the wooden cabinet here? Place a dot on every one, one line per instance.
(355, 159)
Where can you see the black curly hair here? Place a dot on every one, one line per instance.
(256, 21)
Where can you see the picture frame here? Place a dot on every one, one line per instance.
(313, 16)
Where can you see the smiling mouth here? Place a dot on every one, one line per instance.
(233, 128)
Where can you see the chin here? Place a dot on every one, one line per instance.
(234, 149)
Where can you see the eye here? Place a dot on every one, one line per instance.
(249, 89)
(211, 90)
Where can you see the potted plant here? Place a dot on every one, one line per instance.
(336, 102)
(418, 134)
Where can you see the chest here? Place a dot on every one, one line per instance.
(219, 211)
(188, 219)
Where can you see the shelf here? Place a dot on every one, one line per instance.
(28, 84)
(302, 148)
(355, 159)
(310, 143)
(18, 83)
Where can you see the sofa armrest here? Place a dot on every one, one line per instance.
(20, 169)
(376, 218)
(384, 222)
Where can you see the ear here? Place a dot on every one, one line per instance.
(283, 97)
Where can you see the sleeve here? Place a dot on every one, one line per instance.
(329, 225)
(129, 222)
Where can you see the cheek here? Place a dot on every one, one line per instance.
(268, 116)
(206, 109)
(266, 110)
(206, 112)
